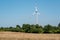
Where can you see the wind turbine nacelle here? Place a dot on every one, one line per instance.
(36, 13)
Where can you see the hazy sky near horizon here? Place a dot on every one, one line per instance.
(13, 12)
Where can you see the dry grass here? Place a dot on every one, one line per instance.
(27, 36)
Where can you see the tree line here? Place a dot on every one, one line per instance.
(27, 28)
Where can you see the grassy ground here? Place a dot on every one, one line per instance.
(27, 36)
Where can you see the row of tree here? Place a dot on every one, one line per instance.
(33, 28)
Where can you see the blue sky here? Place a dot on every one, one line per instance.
(13, 12)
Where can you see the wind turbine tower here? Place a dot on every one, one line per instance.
(36, 14)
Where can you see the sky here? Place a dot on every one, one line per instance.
(18, 12)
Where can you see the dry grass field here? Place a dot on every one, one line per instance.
(27, 36)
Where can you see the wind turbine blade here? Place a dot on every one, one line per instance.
(33, 14)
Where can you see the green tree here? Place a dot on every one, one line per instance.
(36, 29)
(48, 29)
(18, 28)
(58, 29)
(26, 27)
(59, 25)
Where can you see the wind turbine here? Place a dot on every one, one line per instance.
(36, 14)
